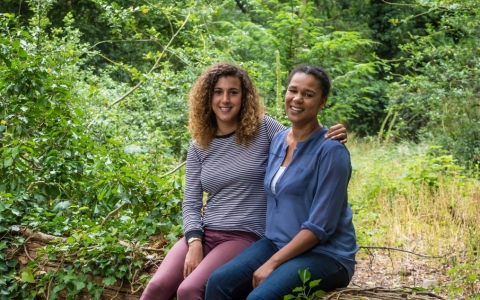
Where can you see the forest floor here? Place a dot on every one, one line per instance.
(388, 269)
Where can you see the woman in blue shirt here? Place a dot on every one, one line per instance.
(309, 221)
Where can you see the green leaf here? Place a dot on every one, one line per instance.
(62, 206)
(79, 284)
(304, 275)
(298, 289)
(314, 283)
(27, 276)
(6, 61)
(8, 162)
(288, 297)
(22, 52)
(15, 152)
(109, 280)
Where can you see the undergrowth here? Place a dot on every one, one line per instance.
(417, 198)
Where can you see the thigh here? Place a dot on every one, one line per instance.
(286, 277)
(234, 279)
(169, 275)
(215, 258)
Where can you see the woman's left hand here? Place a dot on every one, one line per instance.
(262, 273)
(337, 132)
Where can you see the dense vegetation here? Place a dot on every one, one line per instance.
(93, 118)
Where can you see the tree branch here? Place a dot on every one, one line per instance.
(113, 211)
(174, 170)
(401, 250)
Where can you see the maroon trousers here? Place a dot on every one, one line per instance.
(219, 247)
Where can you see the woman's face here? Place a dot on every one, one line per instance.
(303, 99)
(227, 101)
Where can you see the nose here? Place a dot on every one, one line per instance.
(298, 98)
(225, 97)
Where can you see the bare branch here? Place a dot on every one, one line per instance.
(401, 250)
(174, 170)
(113, 211)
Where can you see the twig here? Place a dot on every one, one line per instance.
(401, 250)
(153, 249)
(174, 170)
(12, 253)
(51, 278)
(35, 183)
(26, 252)
(399, 4)
(114, 211)
(121, 285)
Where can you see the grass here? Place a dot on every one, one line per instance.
(415, 197)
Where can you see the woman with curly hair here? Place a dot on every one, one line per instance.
(227, 160)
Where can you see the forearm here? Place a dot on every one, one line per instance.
(302, 242)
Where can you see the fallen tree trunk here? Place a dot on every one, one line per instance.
(378, 293)
(124, 290)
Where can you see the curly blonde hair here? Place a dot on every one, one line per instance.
(202, 120)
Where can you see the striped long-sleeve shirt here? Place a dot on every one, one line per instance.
(232, 175)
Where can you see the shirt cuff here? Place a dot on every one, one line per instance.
(193, 234)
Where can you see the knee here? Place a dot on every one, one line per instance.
(190, 292)
(217, 286)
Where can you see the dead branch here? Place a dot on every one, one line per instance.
(378, 293)
(113, 211)
(174, 170)
(402, 250)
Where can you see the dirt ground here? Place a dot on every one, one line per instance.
(391, 269)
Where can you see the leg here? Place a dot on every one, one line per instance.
(229, 245)
(286, 278)
(169, 275)
(234, 279)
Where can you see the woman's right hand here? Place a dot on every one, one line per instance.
(193, 258)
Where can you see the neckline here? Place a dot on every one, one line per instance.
(224, 136)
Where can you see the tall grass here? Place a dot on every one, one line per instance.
(415, 197)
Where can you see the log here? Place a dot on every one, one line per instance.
(123, 290)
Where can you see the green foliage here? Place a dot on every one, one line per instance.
(464, 277)
(76, 165)
(430, 166)
(439, 93)
(304, 291)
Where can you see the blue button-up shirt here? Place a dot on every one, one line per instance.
(312, 194)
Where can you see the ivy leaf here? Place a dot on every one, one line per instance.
(79, 285)
(109, 280)
(62, 206)
(28, 276)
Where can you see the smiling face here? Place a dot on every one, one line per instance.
(303, 99)
(226, 103)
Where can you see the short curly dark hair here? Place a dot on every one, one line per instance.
(202, 120)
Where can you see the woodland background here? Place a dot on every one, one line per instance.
(94, 130)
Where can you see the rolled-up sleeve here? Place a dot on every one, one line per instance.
(330, 197)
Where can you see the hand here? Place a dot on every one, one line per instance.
(262, 273)
(337, 132)
(193, 259)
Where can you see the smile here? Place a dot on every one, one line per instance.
(295, 108)
(225, 109)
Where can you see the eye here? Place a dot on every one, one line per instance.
(234, 92)
(308, 95)
(217, 92)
